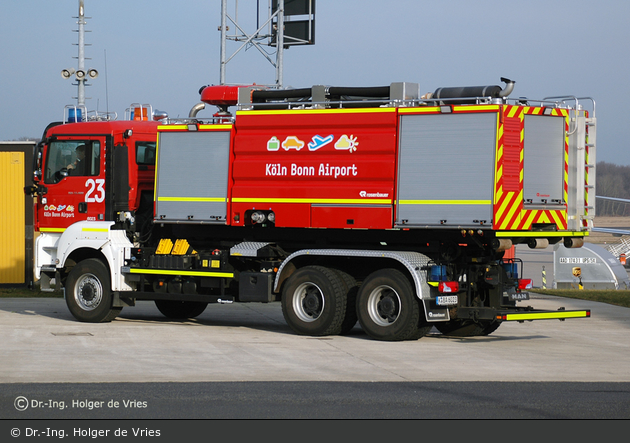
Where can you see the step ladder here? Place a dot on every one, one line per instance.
(582, 166)
(589, 171)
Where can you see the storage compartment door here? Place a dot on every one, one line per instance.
(192, 176)
(543, 160)
(446, 169)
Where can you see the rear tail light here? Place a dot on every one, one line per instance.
(448, 287)
(525, 283)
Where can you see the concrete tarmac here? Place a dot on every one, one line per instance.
(42, 343)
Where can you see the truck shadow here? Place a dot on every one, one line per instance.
(269, 320)
(486, 338)
(257, 322)
(278, 326)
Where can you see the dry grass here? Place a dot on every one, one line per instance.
(608, 222)
(612, 297)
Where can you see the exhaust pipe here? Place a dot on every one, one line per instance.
(467, 95)
(195, 110)
(509, 87)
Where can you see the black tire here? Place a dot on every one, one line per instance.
(180, 310)
(490, 327)
(350, 319)
(88, 292)
(467, 328)
(388, 308)
(314, 301)
(424, 327)
(458, 328)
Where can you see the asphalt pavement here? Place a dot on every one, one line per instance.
(251, 342)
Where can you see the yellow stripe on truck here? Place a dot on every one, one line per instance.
(445, 202)
(541, 234)
(192, 199)
(375, 201)
(181, 272)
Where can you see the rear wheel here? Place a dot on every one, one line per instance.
(387, 307)
(314, 301)
(180, 309)
(350, 318)
(490, 327)
(88, 292)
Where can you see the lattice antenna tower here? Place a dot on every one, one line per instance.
(298, 28)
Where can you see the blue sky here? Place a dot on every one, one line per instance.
(161, 52)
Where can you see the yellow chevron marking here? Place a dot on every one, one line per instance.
(560, 218)
(512, 111)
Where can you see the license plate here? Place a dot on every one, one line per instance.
(517, 296)
(446, 300)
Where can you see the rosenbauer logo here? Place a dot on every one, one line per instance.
(365, 194)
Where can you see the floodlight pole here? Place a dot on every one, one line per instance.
(81, 81)
(223, 38)
(81, 75)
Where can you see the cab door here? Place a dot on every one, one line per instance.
(74, 176)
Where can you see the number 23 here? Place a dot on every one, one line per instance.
(95, 185)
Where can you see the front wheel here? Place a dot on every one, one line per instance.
(88, 292)
(387, 307)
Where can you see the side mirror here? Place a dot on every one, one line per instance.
(61, 174)
(35, 190)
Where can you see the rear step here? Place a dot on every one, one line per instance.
(560, 314)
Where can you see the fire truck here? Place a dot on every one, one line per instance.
(368, 205)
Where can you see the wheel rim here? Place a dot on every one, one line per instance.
(383, 305)
(88, 292)
(308, 302)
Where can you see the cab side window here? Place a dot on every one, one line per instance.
(145, 153)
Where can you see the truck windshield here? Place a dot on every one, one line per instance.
(73, 158)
